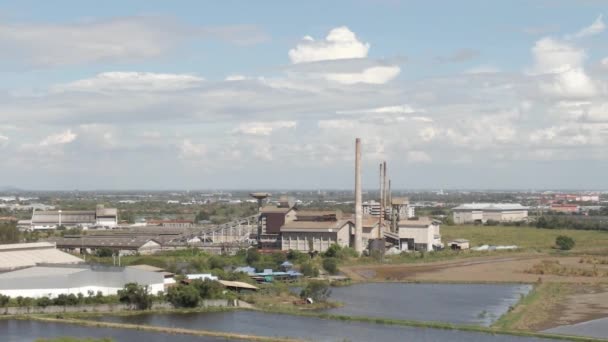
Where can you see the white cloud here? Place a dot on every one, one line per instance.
(3, 140)
(598, 113)
(482, 69)
(552, 56)
(336, 124)
(596, 27)
(418, 157)
(340, 43)
(132, 81)
(604, 63)
(373, 75)
(116, 39)
(235, 78)
(59, 139)
(399, 109)
(263, 128)
(190, 150)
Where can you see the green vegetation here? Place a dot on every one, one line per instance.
(183, 296)
(570, 222)
(331, 265)
(527, 238)
(9, 233)
(534, 310)
(136, 296)
(565, 243)
(318, 290)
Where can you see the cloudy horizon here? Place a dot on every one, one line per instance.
(187, 95)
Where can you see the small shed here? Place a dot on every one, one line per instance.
(238, 286)
(459, 244)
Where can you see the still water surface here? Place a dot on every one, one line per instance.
(479, 304)
(309, 328)
(29, 331)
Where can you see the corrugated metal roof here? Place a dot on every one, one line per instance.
(238, 284)
(313, 225)
(25, 255)
(490, 206)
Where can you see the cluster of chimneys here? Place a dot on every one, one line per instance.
(385, 200)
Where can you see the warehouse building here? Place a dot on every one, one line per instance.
(51, 219)
(316, 231)
(53, 280)
(22, 255)
(482, 212)
(119, 244)
(422, 234)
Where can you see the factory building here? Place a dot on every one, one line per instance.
(482, 212)
(316, 231)
(422, 234)
(21, 255)
(123, 244)
(101, 217)
(53, 280)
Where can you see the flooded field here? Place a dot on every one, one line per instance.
(29, 331)
(478, 304)
(314, 329)
(595, 328)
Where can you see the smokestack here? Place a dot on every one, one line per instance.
(381, 214)
(358, 199)
(386, 191)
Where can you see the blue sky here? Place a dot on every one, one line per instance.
(233, 94)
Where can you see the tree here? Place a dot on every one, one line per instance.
(564, 242)
(253, 256)
(136, 296)
(4, 300)
(330, 265)
(309, 270)
(9, 233)
(43, 302)
(104, 252)
(183, 296)
(318, 290)
(208, 289)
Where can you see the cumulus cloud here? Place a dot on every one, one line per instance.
(553, 56)
(399, 109)
(418, 157)
(263, 128)
(191, 150)
(596, 27)
(340, 43)
(59, 138)
(3, 140)
(132, 81)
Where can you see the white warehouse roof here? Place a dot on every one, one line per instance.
(490, 206)
(20, 255)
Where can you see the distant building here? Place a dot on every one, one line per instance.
(565, 208)
(101, 217)
(53, 280)
(482, 212)
(422, 234)
(121, 244)
(400, 204)
(316, 231)
(21, 255)
(458, 244)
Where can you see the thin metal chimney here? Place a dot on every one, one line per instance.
(358, 199)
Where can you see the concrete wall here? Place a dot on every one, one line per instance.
(299, 241)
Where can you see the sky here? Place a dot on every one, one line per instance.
(272, 94)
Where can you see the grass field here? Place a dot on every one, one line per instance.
(525, 237)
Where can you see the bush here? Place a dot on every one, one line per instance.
(43, 302)
(318, 290)
(4, 300)
(564, 242)
(297, 256)
(330, 265)
(253, 256)
(104, 252)
(136, 296)
(208, 289)
(183, 296)
(309, 270)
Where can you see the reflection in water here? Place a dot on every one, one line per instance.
(453, 303)
(265, 324)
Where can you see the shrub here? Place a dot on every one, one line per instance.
(183, 296)
(564, 242)
(297, 256)
(208, 289)
(330, 265)
(252, 257)
(135, 296)
(318, 290)
(4, 300)
(309, 270)
(104, 252)
(43, 302)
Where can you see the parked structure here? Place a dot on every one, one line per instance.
(101, 217)
(422, 234)
(53, 280)
(482, 212)
(22, 255)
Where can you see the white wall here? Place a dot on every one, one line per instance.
(36, 293)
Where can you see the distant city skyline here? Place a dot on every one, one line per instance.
(271, 95)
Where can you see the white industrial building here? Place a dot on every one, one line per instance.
(482, 212)
(53, 280)
(22, 255)
(422, 234)
(51, 219)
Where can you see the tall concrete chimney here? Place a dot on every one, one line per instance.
(386, 190)
(381, 214)
(358, 199)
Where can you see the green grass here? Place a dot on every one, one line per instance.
(529, 238)
(534, 309)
